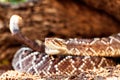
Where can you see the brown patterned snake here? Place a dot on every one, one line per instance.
(83, 47)
(58, 56)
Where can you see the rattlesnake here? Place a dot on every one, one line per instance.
(57, 56)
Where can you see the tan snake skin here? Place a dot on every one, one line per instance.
(38, 61)
(108, 47)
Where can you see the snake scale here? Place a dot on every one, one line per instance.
(57, 56)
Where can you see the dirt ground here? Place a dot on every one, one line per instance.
(52, 18)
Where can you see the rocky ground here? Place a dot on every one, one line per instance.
(57, 18)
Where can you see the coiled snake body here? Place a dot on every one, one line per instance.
(57, 56)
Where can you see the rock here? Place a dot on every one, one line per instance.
(112, 7)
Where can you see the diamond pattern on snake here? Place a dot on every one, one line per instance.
(57, 56)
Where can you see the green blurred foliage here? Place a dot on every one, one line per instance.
(4, 62)
(13, 1)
